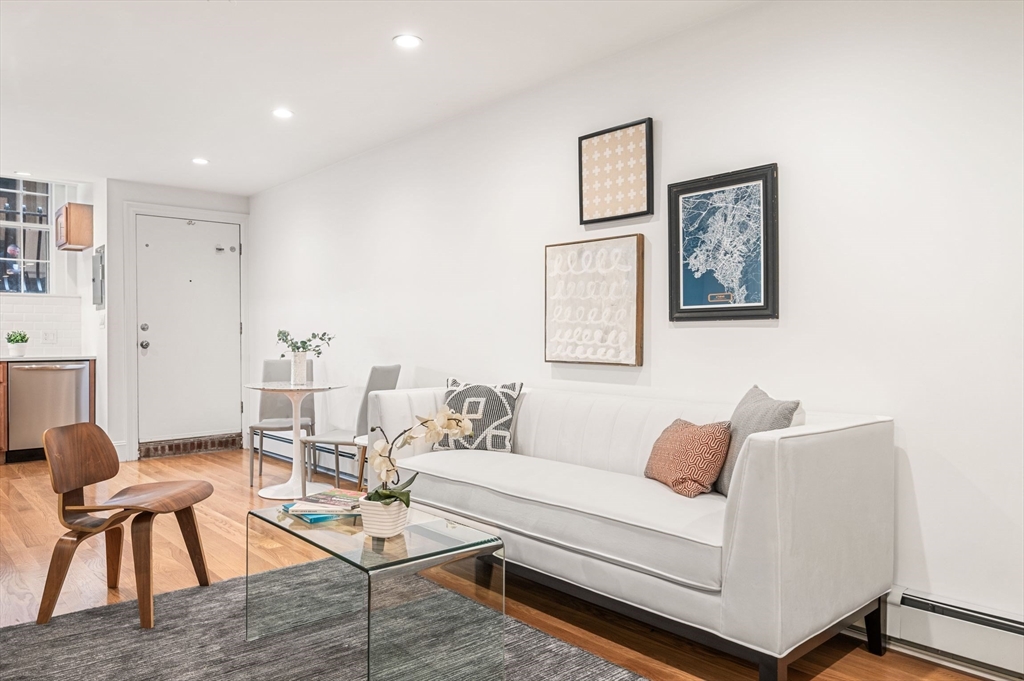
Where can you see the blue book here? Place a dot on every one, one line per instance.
(316, 517)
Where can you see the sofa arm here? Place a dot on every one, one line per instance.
(396, 410)
(808, 531)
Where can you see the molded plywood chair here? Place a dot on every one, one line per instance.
(381, 378)
(81, 454)
(275, 411)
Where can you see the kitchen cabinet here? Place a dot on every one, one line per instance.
(3, 412)
(14, 446)
(73, 227)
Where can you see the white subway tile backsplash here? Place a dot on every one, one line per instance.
(36, 314)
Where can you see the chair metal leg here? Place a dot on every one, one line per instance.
(309, 460)
(337, 474)
(114, 538)
(142, 550)
(63, 552)
(252, 454)
(190, 532)
(261, 453)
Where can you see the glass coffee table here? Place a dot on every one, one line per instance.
(402, 599)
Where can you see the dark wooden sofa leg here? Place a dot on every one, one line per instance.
(874, 622)
(772, 669)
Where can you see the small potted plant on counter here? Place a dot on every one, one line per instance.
(17, 342)
(298, 348)
(382, 517)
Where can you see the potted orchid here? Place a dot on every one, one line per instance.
(382, 517)
(298, 348)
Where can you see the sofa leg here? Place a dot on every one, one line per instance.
(483, 570)
(772, 669)
(874, 622)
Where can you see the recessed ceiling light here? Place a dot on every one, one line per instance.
(22, 173)
(283, 113)
(200, 161)
(407, 41)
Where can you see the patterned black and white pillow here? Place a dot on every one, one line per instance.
(491, 408)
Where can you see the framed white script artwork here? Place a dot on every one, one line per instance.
(594, 301)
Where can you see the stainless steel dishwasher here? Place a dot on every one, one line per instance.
(44, 395)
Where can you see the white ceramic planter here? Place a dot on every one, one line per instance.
(17, 349)
(383, 521)
(298, 367)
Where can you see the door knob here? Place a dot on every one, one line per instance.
(144, 327)
(144, 345)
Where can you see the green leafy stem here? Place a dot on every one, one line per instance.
(315, 343)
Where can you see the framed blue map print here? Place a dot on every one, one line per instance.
(723, 234)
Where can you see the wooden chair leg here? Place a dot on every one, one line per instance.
(337, 469)
(63, 552)
(361, 453)
(142, 550)
(190, 531)
(114, 538)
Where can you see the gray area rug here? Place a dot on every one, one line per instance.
(420, 632)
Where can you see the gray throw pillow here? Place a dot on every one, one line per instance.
(491, 408)
(756, 413)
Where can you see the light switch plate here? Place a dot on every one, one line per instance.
(49, 337)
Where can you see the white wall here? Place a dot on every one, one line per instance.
(897, 128)
(116, 354)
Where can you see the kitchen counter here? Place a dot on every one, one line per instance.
(56, 358)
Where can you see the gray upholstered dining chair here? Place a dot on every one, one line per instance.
(275, 411)
(381, 378)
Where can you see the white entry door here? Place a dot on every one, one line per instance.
(189, 328)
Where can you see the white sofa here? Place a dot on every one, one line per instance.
(802, 546)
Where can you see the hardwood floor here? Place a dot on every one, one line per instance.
(29, 529)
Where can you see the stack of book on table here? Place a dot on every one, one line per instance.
(330, 505)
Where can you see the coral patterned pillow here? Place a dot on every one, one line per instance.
(688, 458)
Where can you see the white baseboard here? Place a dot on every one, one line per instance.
(122, 452)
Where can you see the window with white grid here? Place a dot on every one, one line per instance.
(25, 235)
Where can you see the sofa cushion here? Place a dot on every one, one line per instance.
(624, 519)
(688, 458)
(491, 408)
(756, 413)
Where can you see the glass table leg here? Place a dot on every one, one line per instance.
(420, 631)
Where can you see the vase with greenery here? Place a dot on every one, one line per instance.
(382, 517)
(17, 341)
(298, 348)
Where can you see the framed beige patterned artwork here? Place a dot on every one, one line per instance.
(616, 179)
(594, 301)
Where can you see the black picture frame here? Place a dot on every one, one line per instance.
(767, 176)
(649, 160)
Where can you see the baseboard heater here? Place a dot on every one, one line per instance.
(964, 633)
(321, 449)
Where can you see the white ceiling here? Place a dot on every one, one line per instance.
(135, 90)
